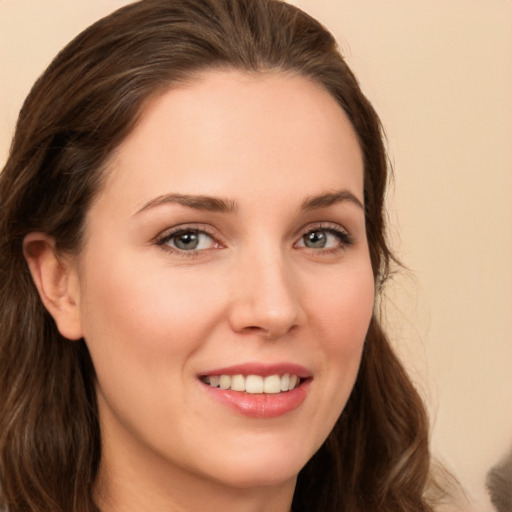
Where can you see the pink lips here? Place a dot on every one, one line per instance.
(261, 405)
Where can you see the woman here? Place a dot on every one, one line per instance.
(193, 241)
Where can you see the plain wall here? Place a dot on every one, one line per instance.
(439, 72)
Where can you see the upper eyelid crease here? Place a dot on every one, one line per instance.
(201, 228)
(333, 229)
(178, 230)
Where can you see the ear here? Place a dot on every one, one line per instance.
(56, 280)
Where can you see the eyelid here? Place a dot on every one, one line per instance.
(164, 236)
(346, 238)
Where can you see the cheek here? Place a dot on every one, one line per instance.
(128, 303)
(344, 312)
(141, 329)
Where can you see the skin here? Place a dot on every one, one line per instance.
(155, 317)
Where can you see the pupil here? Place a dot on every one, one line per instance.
(316, 239)
(187, 241)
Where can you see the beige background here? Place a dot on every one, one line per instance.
(440, 74)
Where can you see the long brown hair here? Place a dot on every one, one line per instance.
(81, 108)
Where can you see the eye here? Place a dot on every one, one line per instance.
(325, 238)
(187, 240)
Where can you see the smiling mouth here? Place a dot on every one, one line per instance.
(254, 384)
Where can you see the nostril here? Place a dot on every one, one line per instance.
(254, 329)
(270, 333)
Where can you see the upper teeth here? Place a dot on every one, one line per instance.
(253, 383)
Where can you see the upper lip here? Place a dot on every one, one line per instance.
(262, 369)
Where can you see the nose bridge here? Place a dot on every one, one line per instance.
(267, 299)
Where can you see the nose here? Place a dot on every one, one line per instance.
(266, 299)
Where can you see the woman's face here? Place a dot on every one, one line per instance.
(227, 248)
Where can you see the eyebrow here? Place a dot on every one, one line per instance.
(329, 199)
(215, 204)
(206, 203)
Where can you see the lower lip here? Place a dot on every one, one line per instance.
(261, 405)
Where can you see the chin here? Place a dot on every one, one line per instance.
(257, 477)
(260, 468)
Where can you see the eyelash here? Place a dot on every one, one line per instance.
(164, 239)
(345, 239)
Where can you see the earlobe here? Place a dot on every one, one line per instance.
(56, 280)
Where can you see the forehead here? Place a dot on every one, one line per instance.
(250, 131)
